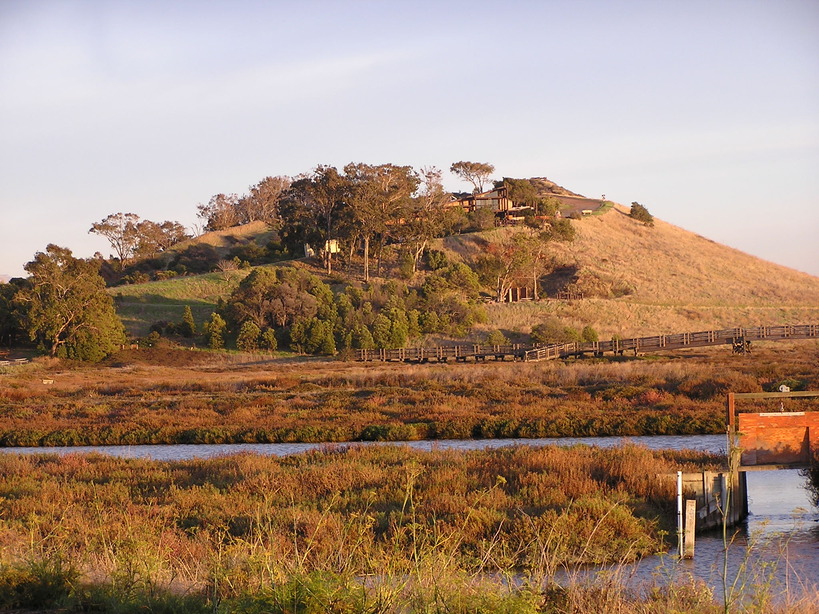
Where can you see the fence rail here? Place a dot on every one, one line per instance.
(739, 338)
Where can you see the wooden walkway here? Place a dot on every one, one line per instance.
(739, 338)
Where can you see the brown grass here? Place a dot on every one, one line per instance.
(669, 281)
(163, 396)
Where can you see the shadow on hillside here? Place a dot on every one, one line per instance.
(558, 280)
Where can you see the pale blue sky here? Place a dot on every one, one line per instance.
(705, 112)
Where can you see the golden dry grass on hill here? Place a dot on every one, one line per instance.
(641, 280)
(225, 239)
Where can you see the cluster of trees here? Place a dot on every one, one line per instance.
(62, 307)
(358, 209)
(289, 307)
(259, 204)
(342, 214)
(130, 237)
(366, 207)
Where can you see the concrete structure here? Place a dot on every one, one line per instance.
(711, 490)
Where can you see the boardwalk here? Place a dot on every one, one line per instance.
(739, 338)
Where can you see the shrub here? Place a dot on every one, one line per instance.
(269, 341)
(496, 337)
(552, 331)
(480, 219)
(406, 265)
(641, 214)
(589, 335)
(561, 230)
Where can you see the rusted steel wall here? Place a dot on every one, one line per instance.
(781, 438)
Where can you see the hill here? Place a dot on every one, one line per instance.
(636, 280)
(663, 279)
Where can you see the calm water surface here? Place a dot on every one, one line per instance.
(777, 547)
(709, 443)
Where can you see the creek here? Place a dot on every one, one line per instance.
(777, 547)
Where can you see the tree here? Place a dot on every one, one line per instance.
(379, 197)
(188, 326)
(262, 201)
(275, 297)
(427, 214)
(248, 339)
(121, 231)
(476, 173)
(221, 212)
(269, 341)
(153, 238)
(505, 264)
(9, 314)
(66, 309)
(215, 331)
(521, 192)
(312, 210)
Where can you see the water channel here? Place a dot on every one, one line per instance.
(777, 547)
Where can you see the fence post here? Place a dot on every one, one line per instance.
(679, 514)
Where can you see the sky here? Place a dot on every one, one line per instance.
(705, 112)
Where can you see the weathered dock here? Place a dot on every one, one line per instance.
(739, 338)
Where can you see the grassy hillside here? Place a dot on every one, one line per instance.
(224, 240)
(640, 280)
(140, 305)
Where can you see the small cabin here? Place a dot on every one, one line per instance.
(515, 294)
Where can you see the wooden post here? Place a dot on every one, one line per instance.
(679, 514)
(690, 527)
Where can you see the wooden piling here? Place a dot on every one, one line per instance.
(690, 528)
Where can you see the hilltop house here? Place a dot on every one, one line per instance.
(496, 200)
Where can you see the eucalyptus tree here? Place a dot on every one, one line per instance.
(66, 309)
(121, 231)
(380, 198)
(476, 173)
(221, 212)
(154, 237)
(262, 201)
(427, 216)
(313, 209)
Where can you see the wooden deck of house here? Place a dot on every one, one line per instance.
(739, 338)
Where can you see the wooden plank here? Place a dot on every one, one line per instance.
(690, 525)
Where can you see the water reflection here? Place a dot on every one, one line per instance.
(776, 549)
(707, 443)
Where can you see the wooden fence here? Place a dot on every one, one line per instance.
(739, 338)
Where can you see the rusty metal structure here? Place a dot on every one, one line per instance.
(773, 439)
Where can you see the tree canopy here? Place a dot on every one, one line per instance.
(121, 231)
(476, 173)
(65, 308)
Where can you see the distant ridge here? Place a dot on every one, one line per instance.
(4, 278)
